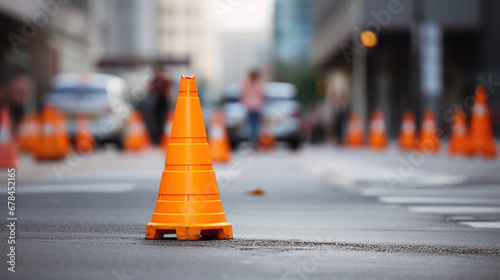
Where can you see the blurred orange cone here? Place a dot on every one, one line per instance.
(53, 138)
(481, 139)
(429, 138)
(378, 136)
(136, 135)
(355, 131)
(408, 132)
(458, 138)
(28, 133)
(167, 127)
(84, 138)
(188, 198)
(220, 149)
(8, 150)
(266, 139)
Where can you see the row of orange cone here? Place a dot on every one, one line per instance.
(45, 136)
(479, 139)
(137, 138)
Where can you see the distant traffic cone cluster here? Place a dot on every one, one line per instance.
(457, 143)
(53, 139)
(408, 132)
(429, 137)
(84, 138)
(377, 138)
(218, 140)
(481, 139)
(355, 131)
(45, 135)
(477, 140)
(136, 134)
(8, 150)
(188, 202)
(266, 139)
(167, 128)
(28, 133)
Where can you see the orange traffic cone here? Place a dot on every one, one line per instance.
(458, 138)
(429, 138)
(266, 139)
(188, 198)
(378, 136)
(136, 135)
(220, 149)
(481, 139)
(355, 131)
(84, 138)
(8, 151)
(28, 133)
(167, 128)
(408, 133)
(53, 138)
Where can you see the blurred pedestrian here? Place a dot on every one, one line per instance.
(20, 91)
(159, 91)
(252, 97)
(339, 118)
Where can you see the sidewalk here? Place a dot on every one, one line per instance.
(393, 169)
(462, 190)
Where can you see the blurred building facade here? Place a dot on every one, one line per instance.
(121, 37)
(45, 38)
(185, 31)
(292, 42)
(430, 54)
(292, 31)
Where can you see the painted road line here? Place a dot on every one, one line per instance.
(438, 200)
(474, 191)
(454, 209)
(482, 224)
(77, 188)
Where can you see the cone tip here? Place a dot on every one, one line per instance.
(188, 83)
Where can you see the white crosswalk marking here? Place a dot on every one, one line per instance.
(455, 209)
(482, 224)
(77, 188)
(438, 200)
(476, 206)
(437, 190)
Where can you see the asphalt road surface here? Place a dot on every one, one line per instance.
(327, 213)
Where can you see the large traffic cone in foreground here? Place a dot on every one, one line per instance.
(188, 198)
(84, 138)
(355, 131)
(28, 132)
(136, 134)
(481, 139)
(408, 132)
(429, 138)
(167, 128)
(458, 138)
(8, 150)
(53, 139)
(218, 140)
(378, 135)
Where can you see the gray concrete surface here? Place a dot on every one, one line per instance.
(322, 217)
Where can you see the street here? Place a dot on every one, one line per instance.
(327, 213)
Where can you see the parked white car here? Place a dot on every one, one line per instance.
(101, 97)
